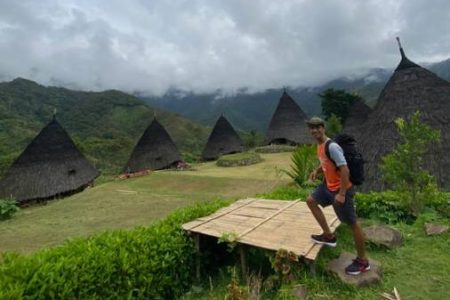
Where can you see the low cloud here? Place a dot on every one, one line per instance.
(152, 46)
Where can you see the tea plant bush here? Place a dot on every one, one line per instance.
(154, 262)
(393, 206)
(385, 206)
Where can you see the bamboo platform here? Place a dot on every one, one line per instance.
(268, 224)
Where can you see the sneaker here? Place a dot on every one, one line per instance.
(358, 266)
(323, 240)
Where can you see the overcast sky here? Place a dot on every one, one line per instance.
(202, 45)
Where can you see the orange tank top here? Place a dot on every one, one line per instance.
(331, 173)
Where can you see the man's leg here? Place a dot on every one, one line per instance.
(358, 237)
(346, 213)
(321, 197)
(319, 216)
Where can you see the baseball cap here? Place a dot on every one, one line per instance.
(315, 121)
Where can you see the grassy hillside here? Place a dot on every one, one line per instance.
(105, 125)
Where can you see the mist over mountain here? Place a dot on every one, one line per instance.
(253, 111)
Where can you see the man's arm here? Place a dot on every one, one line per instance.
(337, 154)
(317, 171)
(345, 179)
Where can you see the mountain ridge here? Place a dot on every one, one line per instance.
(104, 125)
(254, 111)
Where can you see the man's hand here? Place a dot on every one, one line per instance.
(339, 198)
(313, 176)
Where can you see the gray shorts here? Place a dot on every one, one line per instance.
(345, 212)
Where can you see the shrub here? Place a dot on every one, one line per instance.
(239, 159)
(393, 206)
(304, 161)
(289, 192)
(402, 169)
(334, 125)
(388, 206)
(275, 149)
(153, 262)
(7, 208)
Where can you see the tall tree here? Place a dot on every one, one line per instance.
(337, 102)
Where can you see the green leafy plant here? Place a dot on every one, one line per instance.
(402, 168)
(274, 148)
(7, 208)
(239, 159)
(252, 138)
(334, 125)
(287, 192)
(387, 206)
(230, 238)
(392, 206)
(337, 102)
(304, 161)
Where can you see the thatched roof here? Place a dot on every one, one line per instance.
(357, 117)
(287, 125)
(155, 150)
(222, 140)
(51, 165)
(409, 89)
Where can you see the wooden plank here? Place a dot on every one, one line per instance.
(267, 219)
(268, 224)
(273, 246)
(313, 251)
(254, 212)
(301, 242)
(243, 203)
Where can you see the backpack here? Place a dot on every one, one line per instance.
(355, 161)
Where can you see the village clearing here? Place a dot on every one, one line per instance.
(420, 269)
(124, 204)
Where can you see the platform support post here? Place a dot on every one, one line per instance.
(242, 254)
(197, 257)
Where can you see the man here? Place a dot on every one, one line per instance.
(336, 190)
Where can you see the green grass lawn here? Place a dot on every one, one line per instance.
(137, 201)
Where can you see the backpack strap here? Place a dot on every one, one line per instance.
(327, 150)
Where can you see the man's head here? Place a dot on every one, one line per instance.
(317, 128)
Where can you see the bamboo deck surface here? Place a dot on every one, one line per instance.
(268, 224)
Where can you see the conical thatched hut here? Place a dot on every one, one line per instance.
(411, 88)
(357, 117)
(155, 151)
(51, 165)
(287, 125)
(222, 140)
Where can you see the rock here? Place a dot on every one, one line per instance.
(435, 229)
(299, 291)
(337, 266)
(383, 235)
